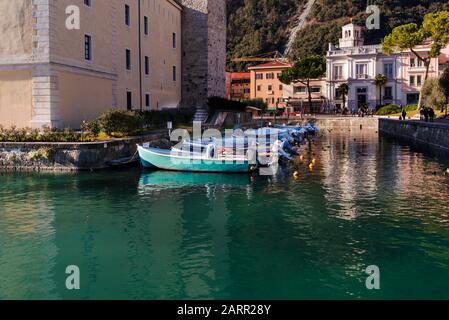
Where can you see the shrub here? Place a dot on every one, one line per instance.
(121, 123)
(45, 135)
(92, 127)
(221, 104)
(411, 107)
(388, 110)
(159, 119)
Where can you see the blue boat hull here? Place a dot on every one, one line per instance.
(152, 158)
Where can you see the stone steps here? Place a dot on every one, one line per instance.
(201, 115)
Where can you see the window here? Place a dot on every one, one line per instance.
(87, 3)
(146, 26)
(270, 75)
(88, 47)
(174, 40)
(129, 100)
(300, 90)
(174, 73)
(281, 87)
(128, 59)
(419, 80)
(412, 62)
(388, 93)
(147, 100)
(315, 89)
(388, 70)
(412, 98)
(259, 76)
(127, 15)
(338, 94)
(270, 87)
(147, 65)
(412, 80)
(259, 88)
(361, 71)
(338, 72)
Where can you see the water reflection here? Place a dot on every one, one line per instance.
(168, 235)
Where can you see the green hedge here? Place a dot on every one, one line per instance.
(388, 110)
(114, 123)
(411, 107)
(119, 123)
(159, 119)
(45, 135)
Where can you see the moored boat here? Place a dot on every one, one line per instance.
(209, 161)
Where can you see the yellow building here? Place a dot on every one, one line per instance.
(265, 83)
(58, 72)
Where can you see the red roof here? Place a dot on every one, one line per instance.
(240, 75)
(272, 64)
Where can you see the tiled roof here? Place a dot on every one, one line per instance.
(240, 75)
(272, 64)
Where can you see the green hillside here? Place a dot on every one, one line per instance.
(258, 26)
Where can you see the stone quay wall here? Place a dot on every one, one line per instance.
(432, 136)
(45, 156)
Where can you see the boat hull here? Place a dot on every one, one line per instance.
(162, 159)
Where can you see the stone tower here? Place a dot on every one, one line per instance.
(204, 51)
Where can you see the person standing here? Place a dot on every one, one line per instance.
(404, 114)
(431, 114)
(426, 114)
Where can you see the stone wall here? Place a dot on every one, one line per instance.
(204, 51)
(431, 136)
(349, 123)
(70, 156)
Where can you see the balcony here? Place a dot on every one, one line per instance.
(369, 49)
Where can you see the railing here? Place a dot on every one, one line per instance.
(356, 50)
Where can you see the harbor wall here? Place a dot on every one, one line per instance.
(431, 136)
(343, 123)
(30, 156)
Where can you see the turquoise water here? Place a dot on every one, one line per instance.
(163, 235)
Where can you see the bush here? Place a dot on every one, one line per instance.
(159, 119)
(411, 107)
(388, 110)
(93, 127)
(47, 134)
(221, 104)
(120, 123)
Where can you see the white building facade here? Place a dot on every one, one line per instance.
(357, 64)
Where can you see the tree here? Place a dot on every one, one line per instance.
(433, 94)
(380, 80)
(444, 84)
(435, 28)
(305, 70)
(343, 91)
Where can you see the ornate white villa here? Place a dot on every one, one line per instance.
(357, 64)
